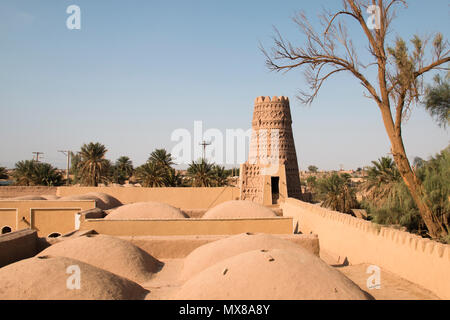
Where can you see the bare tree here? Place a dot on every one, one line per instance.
(398, 83)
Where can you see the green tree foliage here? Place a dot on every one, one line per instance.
(337, 193)
(151, 175)
(220, 176)
(201, 173)
(381, 178)
(23, 173)
(397, 208)
(93, 168)
(32, 173)
(311, 183)
(122, 170)
(313, 169)
(437, 101)
(389, 201)
(435, 176)
(158, 171)
(175, 179)
(161, 158)
(46, 175)
(3, 173)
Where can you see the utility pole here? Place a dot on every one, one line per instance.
(67, 153)
(37, 153)
(204, 144)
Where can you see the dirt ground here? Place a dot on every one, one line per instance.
(393, 287)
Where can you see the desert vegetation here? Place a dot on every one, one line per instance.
(33, 173)
(158, 171)
(388, 201)
(90, 167)
(385, 196)
(122, 170)
(201, 173)
(337, 193)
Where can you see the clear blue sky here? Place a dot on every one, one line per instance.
(137, 70)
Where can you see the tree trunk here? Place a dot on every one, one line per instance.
(415, 188)
(414, 185)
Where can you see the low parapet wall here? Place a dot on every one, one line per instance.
(17, 245)
(186, 198)
(416, 259)
(182, 227)
(19, 191)
(178, 247)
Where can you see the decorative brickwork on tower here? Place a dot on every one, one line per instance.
(271, 173)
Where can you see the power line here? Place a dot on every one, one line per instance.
(67, 153)
(37, 153)
(204, 144)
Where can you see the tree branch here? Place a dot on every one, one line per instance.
(431, 66)
(337, 14)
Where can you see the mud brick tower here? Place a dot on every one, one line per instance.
(271, 173)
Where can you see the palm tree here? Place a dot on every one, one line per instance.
(122, 170)
(381, 178)
(161, 158)
(337, 193)
(151, 175)
(93, 167)
(32, 173)
(3, 173)
(157, 171)
(393, 203)
(46, 175)
(220, 176)
(201, 173)
(23, 173)
(173, 178)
